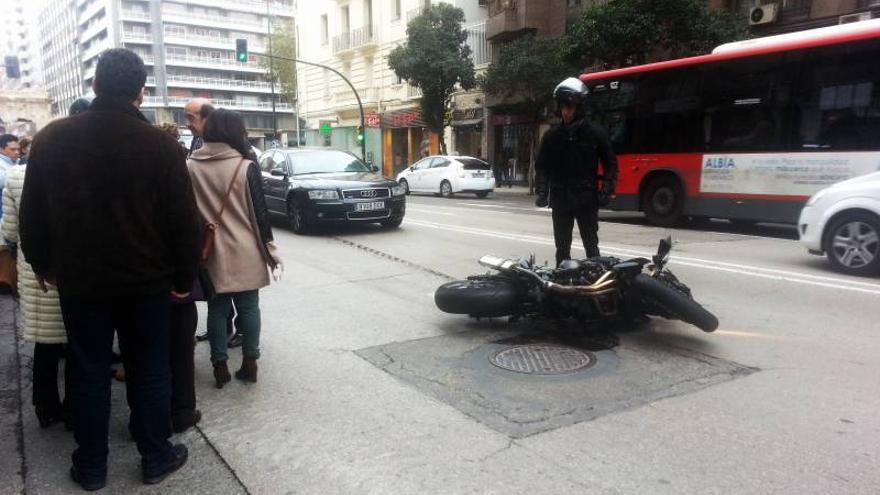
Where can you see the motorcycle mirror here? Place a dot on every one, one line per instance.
(663, 251)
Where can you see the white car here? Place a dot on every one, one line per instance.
(843, 222)
(447, 175)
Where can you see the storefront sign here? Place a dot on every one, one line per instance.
(788, 174)
(402, 119)
(372, 119)
(468, 114)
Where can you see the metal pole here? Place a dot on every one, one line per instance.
(271, 73)
(350, 85)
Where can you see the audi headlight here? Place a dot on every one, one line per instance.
(398, 191)
(323, 194)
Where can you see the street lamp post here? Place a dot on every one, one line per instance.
(272, 73)
(350, 85)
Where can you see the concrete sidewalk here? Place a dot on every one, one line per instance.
(37, 460)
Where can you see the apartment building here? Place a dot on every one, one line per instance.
(18, 39)
(355, 37)
(60, 55)
(767, 17)
(189, 49)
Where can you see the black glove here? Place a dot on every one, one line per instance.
(541, 201)
(604, 195)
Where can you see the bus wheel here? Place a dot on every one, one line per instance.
(663, 201)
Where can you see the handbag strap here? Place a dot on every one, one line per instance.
(229, 190)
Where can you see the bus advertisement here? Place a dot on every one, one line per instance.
(748, 132)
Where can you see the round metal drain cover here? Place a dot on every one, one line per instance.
(543, 359)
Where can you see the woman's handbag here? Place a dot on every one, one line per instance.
(209, 230)
(8, 271)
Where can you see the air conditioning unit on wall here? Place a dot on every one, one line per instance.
(763, 14)
(861, 16)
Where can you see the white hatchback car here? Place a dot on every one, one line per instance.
(843, 222)
(447, 175)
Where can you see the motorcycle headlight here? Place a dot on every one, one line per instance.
(398, 191)
(323, 194)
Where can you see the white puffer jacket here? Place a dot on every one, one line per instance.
(42, 311)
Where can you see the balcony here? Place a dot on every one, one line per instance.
(511, 18)
(212, 63)
(151, 81)
(220, 22)
(217, 83)
(93, 51)
(476, 40)
(136, 15)
(260, 106)
(137, 37)
(345, 96)
(92, 31)
(413, 92)
(252, 6)
(210, 42)
(363, 37)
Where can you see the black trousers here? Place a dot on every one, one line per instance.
(142, 326)
(184, 319)
(588, 224)
(45, 392)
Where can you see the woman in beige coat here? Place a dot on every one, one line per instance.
(229, 192)
(43, 323)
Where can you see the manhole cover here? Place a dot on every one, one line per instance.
(542, 359)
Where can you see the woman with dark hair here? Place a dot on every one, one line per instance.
(229, 192)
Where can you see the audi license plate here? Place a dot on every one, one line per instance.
(372, 206)
(477, 174)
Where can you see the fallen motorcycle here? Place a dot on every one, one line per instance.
(601, 288)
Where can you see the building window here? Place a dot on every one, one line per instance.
(574, 3)
(395, 10)
(793, 9)
(325, 30)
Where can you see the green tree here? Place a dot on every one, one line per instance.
(282, 72)
(524, 74)
(630, 32)
(436, 59)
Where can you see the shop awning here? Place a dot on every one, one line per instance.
(465, 123)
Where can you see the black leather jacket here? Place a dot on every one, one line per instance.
(255, 186)
(568, 160)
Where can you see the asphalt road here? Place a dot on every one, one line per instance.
(365, 387)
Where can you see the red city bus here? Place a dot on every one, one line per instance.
(748, 132)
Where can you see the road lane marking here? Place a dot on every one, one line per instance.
(748, 270)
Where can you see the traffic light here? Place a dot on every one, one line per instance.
(13, 71)
(241, 53)
(359, 134)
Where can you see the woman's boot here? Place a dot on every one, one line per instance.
(248, 370)
(221, 374)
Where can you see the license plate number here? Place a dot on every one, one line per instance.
(372, 206)
(478, 174)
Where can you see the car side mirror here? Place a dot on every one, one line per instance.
(277, 172)
(374, 168)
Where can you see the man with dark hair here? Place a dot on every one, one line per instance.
(9, 155)
(108, 215)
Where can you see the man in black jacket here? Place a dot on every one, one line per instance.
(567, 171)
(108, 215)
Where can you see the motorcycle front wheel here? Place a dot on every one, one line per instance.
(483, 297)
(675, 303)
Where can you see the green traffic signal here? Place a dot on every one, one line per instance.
(359, 133)
(241, 50)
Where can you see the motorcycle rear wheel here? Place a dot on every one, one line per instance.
(483, 297)
(676, 303)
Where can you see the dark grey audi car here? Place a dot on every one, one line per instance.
(315, 185)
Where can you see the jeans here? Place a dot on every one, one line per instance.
(184, 319)
(247, 304)
(45, 393)
(142, 326)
